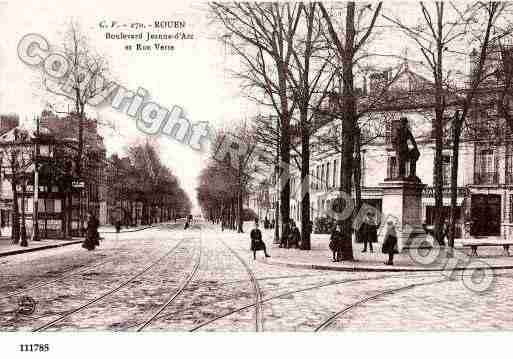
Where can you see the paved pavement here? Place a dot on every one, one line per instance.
(165, 278)
(7, 248)
(320, 257)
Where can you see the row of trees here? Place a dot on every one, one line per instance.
(295, 57)
(141, 177)
(224, 184)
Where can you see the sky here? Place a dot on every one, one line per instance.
(192, 77)
(196, 76)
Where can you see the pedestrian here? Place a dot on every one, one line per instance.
(445, 231)
(390, 243)
(187, 223)
(117, 225)
(266, 223)
(336, 242)
(294, 235)
(285, 235)
(91, 240)
(368, 232)
(257, 244)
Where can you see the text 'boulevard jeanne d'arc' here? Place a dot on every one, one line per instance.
(147, 36)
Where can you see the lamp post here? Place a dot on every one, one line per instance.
(35, 218)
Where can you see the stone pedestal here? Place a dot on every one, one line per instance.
(402, 204)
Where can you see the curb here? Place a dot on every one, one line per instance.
(35, 249)
(356, 268)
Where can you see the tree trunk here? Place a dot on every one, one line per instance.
(305, 183)
(284, 162)
(357, 174)
(23, 228)
(456, 134)
(239, 212)
(348, 127)
(15, 232)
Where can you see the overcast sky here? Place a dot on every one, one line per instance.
(193, 77)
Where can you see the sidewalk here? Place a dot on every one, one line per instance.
(320, 257)
(9, 249)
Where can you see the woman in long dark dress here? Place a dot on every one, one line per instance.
(336, 243)
(91, 239)
(390, 243)
(257, 244)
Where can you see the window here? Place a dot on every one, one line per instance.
(335, 170)
(446, 170)
(509, 163)
(328, 177)
(484, 170)
(323, 182)
(317, 178)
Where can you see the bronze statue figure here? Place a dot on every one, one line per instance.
(402, 139)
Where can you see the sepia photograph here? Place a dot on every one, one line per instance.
(307, 179)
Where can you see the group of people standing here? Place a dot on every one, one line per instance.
(366, 234)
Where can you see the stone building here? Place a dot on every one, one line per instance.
(485, 173)
(64, 196)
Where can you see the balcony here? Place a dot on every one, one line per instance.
(486, 178)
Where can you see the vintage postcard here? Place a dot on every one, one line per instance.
(253, 167)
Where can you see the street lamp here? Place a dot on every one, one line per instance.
(35, 197)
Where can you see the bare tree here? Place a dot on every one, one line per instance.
(261, 34)
(348, 44)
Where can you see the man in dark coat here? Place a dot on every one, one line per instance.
(368, 232)
(257, 244)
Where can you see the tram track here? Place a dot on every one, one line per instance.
(71, 272)
(177, 293)
(259, 320)
(110, 292)
(330, 320)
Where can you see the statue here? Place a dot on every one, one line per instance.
(402, 139)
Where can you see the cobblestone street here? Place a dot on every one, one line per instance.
(202, 279)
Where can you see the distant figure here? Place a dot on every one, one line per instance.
(294, 236)
(368, 232)
(187, 223)
(285, 235)
(92, 235)
(390, 243)
(272, 223)
(335, 245)
(266, 223)
(402, 138)
(118, 226)
(257, 244)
